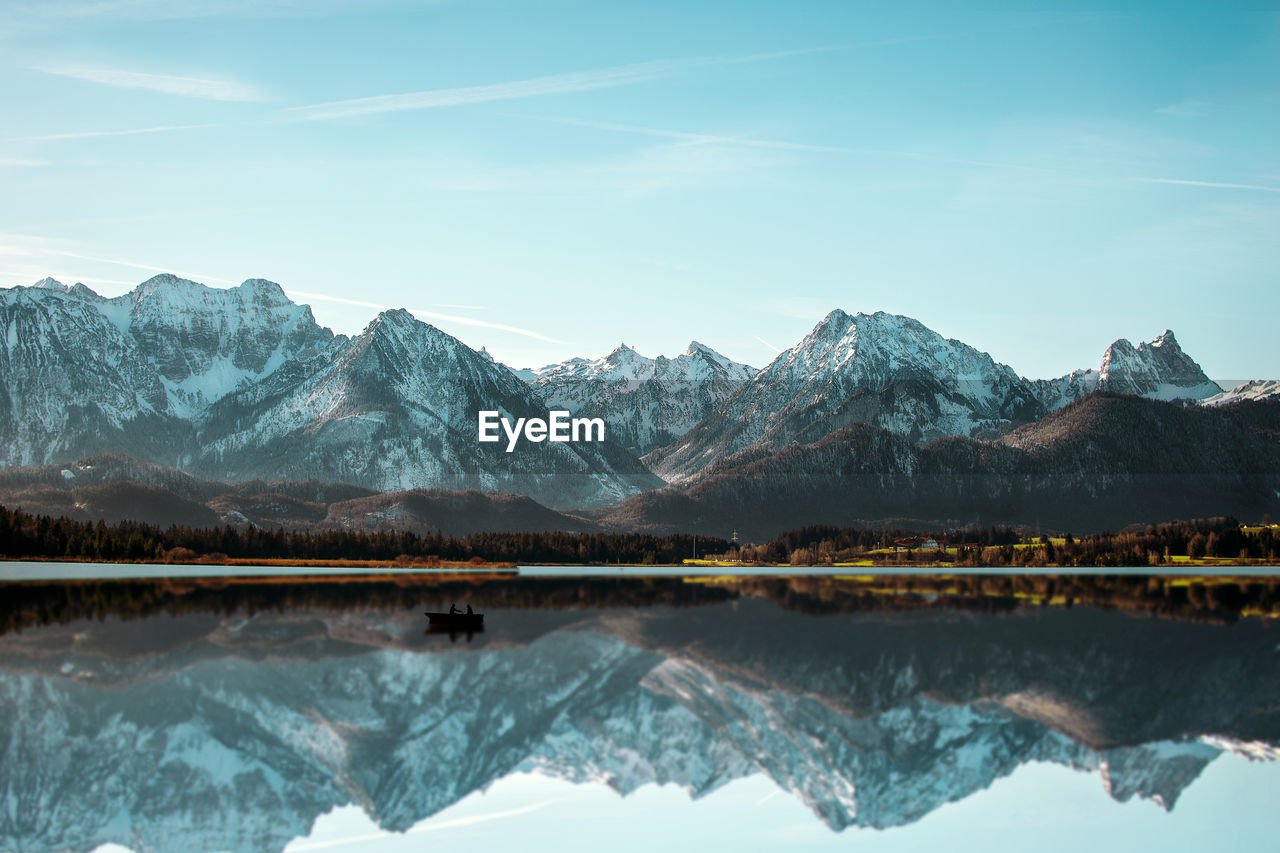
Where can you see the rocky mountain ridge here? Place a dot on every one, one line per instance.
(1102, 462)
(242, 384)
(646, 402)
(893, 372)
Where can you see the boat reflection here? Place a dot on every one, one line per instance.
(453, 632)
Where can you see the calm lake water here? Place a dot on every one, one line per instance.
(629, 713)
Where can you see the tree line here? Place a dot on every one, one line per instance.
(1150, 545)
(40, 537)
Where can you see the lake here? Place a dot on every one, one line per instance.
(633, 712)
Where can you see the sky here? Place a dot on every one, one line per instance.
(551, 179)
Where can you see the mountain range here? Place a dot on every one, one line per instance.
(243, 386)
(646, 402)
(1105, 461)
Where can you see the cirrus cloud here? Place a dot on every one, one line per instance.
(186, 87)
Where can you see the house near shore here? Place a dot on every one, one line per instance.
(916, 543)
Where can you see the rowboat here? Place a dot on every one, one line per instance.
(456, 621)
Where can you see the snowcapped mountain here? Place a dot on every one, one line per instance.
(207, 343)
(879, 368)
(136, 373)
(1056, 393)
(396, 408)
(242, 383)
(74, 383)
(1158, 370)
(1100, 463)
(646, 402)
(1254, 389)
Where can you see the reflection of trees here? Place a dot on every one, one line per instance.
(1222, 599)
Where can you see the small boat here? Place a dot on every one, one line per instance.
(456, 621)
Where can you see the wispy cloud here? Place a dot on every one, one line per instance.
(90, 134)
(121, 262)
(22, 161)
(420, 312)
(582, 81)
(1213, 184)
(187, 87)
(554, 84)
(778, 145)
(766, 343)
(163, 10)
(40, 252)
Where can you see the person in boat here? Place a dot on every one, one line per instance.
(453, 610)
(470, 612)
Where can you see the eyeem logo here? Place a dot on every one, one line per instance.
(558, 427)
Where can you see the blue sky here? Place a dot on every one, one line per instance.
(550, 179)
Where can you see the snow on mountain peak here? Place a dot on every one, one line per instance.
(166, 282)
(394, 317)
(48, 283)
(879, 368)
(1254, 389)
(622, 352)
(1158, 369)
(646, 402)
(265, 291)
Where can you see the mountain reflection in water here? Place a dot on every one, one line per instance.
(218, 728)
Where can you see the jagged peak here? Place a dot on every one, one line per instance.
(836, 322)
(1120, 345)
(50, 285)
(165, 280)
(696, 347)
(266, 289)
(835, 318)
(395, 318)
(622, 351)
(1166, 338)
(842, 320)
(487, 356)
(253, 288)
(875, 329)
(402, 325)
